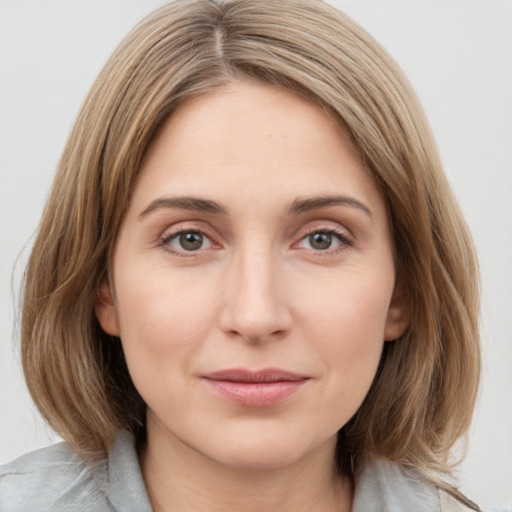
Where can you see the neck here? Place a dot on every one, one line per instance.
(179, 478)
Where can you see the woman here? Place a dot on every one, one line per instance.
(252, 288)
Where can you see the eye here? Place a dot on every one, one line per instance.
(323, 240)
(186, 241)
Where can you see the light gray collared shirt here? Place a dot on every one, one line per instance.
(55, 479)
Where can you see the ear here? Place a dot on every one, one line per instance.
(399, 313)
(105, 311)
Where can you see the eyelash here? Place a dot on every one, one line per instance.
(344, 238)
(168, 237)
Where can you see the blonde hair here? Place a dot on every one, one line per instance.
(423, 396)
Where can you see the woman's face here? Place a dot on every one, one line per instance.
(253, 279)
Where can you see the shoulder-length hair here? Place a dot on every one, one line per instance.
(422, 398)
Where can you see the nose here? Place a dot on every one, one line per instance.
(256, 305)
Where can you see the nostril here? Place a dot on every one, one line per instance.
(258, 338)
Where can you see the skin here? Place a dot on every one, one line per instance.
(258, 290)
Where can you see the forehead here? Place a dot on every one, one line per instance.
(254, 139)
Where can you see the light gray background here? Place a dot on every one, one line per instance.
(458, 55)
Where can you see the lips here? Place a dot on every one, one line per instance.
(263, 388)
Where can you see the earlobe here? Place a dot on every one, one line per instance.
(399, 314)
(105, 311)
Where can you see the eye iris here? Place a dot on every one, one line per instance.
(320, 240)
(191, 241)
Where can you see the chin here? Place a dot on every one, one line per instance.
(258, 458)
(267, 450)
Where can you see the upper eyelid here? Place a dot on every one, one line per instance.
(344, 238)
(325, 226)
(327, 230)
(184, 226)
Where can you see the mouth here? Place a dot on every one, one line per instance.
(263, 388)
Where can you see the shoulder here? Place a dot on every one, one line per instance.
(389, 487)
(52, 478)
(56, 479)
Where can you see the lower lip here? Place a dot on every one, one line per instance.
(260, 394)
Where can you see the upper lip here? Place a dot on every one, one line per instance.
(258, 376)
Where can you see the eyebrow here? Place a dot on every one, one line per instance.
(184, 203)
(315, 203)
(296, 207)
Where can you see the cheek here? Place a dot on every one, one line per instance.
(163, 321)
(346, 325)
(351, 307)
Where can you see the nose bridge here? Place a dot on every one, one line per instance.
(255, 301)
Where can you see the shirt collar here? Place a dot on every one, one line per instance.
(126, 492)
